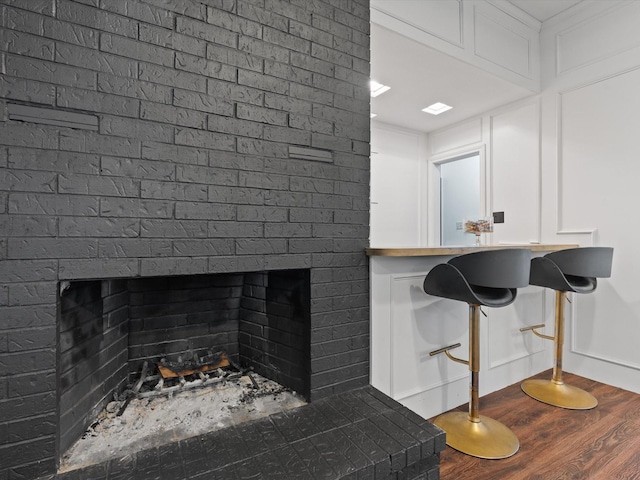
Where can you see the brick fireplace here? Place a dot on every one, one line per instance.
(156, 139)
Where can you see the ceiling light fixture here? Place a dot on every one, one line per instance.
(377, 88)
(371, 115)
(437, 108)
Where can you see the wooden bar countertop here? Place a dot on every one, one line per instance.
(434, 251)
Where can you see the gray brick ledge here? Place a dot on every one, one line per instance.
(352, 435)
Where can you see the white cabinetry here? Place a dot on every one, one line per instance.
(406, 324)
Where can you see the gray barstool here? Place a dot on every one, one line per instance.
(572, 270)
(488, 278)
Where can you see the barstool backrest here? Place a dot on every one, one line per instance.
(503, 268)
(594, 262)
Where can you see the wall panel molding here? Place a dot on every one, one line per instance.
(458, 137)
(577, 349)
(597, 38)
(411, 362)
(526, 343)
(497, 40)
(501, 40)
(515, 170)
(422, 21)
(596, 171)
(561, 227)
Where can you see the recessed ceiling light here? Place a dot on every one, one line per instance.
(371, 115)
(437, 108)
(377, 88)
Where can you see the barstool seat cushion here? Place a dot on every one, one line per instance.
(490, 278)
(494, 297)
(572, 270)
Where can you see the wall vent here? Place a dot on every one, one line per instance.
(311, 154)
(50, 116)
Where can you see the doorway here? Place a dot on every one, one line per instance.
(459, 198)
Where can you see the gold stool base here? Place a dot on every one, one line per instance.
(487, 438)
(559, 394)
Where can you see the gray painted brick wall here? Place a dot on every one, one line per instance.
(197, 103)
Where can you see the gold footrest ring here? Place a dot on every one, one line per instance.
(559, 394)
(487, 438)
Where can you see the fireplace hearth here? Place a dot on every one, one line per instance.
(154, 418)
(357, 434)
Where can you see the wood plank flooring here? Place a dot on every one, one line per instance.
(555, 443)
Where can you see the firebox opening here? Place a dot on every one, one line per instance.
(108, 330)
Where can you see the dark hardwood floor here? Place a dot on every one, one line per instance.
(555, 443)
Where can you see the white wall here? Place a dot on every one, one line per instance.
(398, 187)
(508, 140)
(590, 173)
(564, 167)
(515, 171)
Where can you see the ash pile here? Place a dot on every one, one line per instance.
(176, 399)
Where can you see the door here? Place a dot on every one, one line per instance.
(459, 198)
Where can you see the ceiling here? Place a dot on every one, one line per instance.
(420, 76)
(438, 77)
(543, 10)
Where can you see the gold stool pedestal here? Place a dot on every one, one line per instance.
(487, 438)
(555, 392)
(559, 394)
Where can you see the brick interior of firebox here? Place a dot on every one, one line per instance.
(109, 329)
